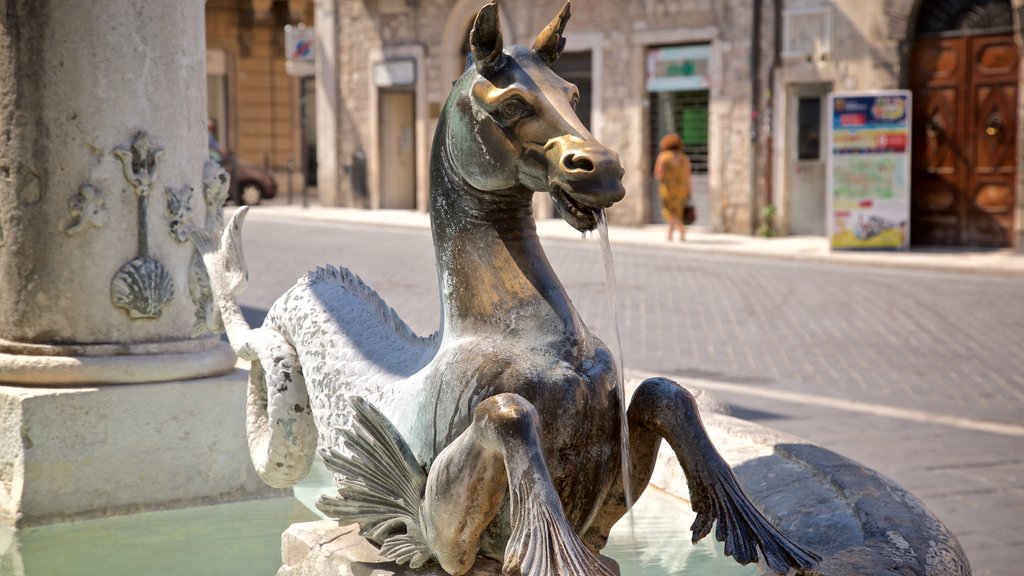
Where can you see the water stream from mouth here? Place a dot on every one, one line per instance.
(611, 289)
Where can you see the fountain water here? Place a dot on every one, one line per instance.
(612, 291)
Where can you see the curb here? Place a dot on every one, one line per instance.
(699, 241)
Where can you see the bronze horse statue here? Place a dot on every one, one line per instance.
(500, 434)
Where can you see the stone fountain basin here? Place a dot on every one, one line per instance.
(858, 520)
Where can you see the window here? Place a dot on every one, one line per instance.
(808, 128)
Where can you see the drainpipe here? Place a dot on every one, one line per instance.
(755, 95)
(777, 6)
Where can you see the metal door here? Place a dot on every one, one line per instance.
(805, 178)
(964, 151)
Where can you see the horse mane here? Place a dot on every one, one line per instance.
(352, 283)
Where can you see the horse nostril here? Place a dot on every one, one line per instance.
(577, 163)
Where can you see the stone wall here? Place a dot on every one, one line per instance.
(366, 31)
(868, 45)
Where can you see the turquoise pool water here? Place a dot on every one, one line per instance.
(244, 539)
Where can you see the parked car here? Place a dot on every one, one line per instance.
(250, 183)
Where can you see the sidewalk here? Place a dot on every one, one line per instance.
(809, 248)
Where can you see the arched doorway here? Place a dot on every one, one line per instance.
(964, 76)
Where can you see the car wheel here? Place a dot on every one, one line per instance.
(251, 194)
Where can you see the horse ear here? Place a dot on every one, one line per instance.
(485, 39)
(550, 42)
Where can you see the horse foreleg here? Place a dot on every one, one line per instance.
(660, 408)
(466, 485)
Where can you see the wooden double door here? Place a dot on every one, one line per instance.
(964, 146)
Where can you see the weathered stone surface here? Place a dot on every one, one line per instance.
(860, 521)
(72, 452)
(91, 262)
(326, 549)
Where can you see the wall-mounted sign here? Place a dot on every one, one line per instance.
(396, 73)
(678, 68)
(869, 170)
(299, 50)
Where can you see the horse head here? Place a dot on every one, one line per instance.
(512, 126)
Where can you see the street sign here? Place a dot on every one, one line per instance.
(869, 170)
(300, 50)
(678, 68)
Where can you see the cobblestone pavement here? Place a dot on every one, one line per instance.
(916, 373)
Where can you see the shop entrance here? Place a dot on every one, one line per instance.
(965, 127)
(397, 149)
(677, 81)
(686, 114)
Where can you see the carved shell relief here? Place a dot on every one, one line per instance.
(88, 209)
(143, 286)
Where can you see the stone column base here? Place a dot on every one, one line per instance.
(93, 451)
(77, 365)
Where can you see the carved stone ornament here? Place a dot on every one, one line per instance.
(88, 208)
(179, 206)
(215, 192)
(207, 317)
(139, 162)
(142, 286)
(216, 182)
(497, 440)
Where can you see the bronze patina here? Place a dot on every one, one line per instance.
(498, 436)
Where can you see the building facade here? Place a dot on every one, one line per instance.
(961, 60)
(744, 83)
(262, 114)
(396, 61)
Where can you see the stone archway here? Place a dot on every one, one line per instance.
(964, 72)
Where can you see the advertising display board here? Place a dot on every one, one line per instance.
(869, 170)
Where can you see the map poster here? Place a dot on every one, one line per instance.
(869, 170)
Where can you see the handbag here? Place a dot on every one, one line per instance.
(689, 214)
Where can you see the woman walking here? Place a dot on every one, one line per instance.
(672, 170)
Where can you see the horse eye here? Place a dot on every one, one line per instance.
(512, 109)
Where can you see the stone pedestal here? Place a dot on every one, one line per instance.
(102, 154)
(74, 452)
(325, 549)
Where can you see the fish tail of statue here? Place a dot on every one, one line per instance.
(280, 428)
(381, 487)
(660, 408)
(279, 424)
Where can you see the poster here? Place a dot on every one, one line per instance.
(869, 170)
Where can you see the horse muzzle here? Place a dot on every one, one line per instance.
(583, 179)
